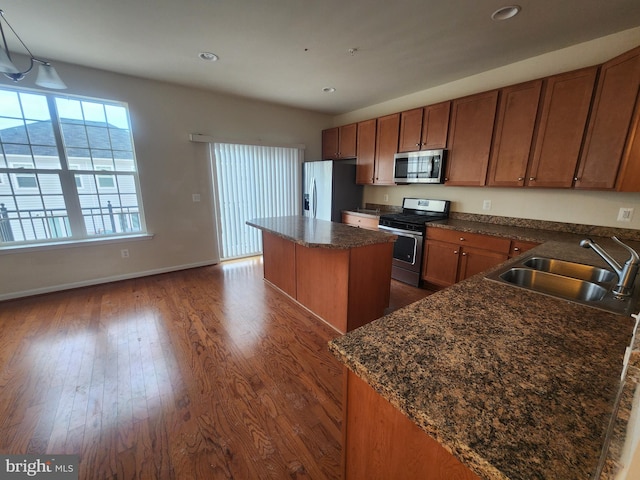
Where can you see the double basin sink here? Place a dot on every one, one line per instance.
(576, 282)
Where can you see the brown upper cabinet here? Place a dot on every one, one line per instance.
(470, 138)
(387, 132)
(561, 125)
(424, 128)
(561, 131)
(515, 125)
(611, 116)
(339, 142)
(629, 176)
(365, 163)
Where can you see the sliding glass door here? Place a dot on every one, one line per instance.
(253, 181)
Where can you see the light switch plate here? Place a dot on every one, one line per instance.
(625, 214)
(486, 205)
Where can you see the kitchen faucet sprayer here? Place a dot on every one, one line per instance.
(626, 273)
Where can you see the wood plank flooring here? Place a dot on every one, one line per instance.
(207, 373)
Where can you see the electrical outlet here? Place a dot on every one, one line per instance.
(486, 205)
(386, 198)
(625, 214)
(195, 197)
(124, 253)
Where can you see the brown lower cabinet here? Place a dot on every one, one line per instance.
(370, 223)
(342, 286)
(450, 256)
(381, 443)
(520, 246)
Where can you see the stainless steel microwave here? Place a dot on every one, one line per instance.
(419, 167)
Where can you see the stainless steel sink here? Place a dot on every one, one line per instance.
(581, 271)
(575, 282)
(553, 284)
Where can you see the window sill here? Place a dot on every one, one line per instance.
(36, 247)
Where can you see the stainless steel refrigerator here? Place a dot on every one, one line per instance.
(329, 188)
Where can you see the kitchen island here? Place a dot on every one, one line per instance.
(492, 382)
(339, 272)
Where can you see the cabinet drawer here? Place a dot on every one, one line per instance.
(477, 240)
(521, 246)
(370, 223)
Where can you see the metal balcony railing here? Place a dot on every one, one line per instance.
(53, 223)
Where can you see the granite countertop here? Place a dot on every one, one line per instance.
(367, 213)
(515, 384)
(313, 233)
(531, 230)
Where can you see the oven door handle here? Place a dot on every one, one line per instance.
(397, 231)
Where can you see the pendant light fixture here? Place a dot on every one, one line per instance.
(47, 75)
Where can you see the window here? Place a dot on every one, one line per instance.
(67, 169)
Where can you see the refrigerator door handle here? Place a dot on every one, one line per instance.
(314, 196)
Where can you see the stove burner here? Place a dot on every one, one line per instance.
(410, 221)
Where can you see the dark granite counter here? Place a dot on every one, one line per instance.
(515, 384)
(531, 230)
(315, 233)
(366, 213)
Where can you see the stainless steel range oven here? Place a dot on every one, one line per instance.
(410, 227)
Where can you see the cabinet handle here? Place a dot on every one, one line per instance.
(462, 239)
(455, 252)
(532, 179)
(516, 249)
(464, 254)
(417, 144)
(520, 179)
(575, 179)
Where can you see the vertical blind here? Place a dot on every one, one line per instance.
(252, 182)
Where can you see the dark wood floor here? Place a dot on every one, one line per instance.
(206, 373)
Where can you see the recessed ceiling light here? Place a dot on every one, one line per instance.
(329, 89)
(505, 13)
(208, 56)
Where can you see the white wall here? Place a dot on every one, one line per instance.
(571, 206)
(171, 170)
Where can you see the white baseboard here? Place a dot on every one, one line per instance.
(98, 281)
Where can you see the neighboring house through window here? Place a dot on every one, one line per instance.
(67, 169)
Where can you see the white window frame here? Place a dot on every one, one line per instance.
(67, 175)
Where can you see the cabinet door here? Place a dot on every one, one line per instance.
(347, 141)
(386, 147)
(365, 160)
(330, 143)
(440, 263)
(629, 176)
(561, 126)
(435, 126)
(380, 442)
(475, 260)
(410, 130)
(470, 140)
(512, 142)
(609, 123)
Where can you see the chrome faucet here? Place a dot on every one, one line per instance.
(626, 274)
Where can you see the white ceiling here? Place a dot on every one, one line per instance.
(286, 51)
